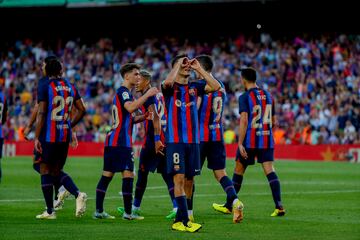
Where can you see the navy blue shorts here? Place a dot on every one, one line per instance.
(215, 154)
(1, 146)
(36, 161)
(118, 159)
(262, 155)
(150, 161)
(183, 158)
(54, 153)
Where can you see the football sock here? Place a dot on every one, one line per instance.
(229, 189)
(47, 189)
(127, 188)
(101, 191)
(182, 209)
(170, 185)
(275, 189)
(140, 187)
(68, 183)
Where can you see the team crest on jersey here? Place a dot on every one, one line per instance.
(178, 103)
(125, 95)
(192, 92)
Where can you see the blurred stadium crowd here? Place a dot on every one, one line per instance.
(315, 81)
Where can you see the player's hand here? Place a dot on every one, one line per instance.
(184, 62)
(74, 142)
(159, 148)
(152, 92)
(149, 115)
(243, 151)
(194, 64)
(38, 147)
(26, 132)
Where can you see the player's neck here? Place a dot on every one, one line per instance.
(182, 79)
(251, 86)
(127, 84)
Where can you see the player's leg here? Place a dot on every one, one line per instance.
(66, 180)
(266, 159)
(1, 148)
(47, 187)
(101, 189)
(189, 192)
(143, 172)
(168, 179)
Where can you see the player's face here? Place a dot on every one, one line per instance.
(185, 68)
(141, 84)
(134, 76)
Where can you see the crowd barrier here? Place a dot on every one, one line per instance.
(293, 152)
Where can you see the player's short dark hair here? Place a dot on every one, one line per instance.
(128, 67)
(146, 74)
(249, 74)
(206, 62)
(53, 68)
(176, 58)
(49, 58)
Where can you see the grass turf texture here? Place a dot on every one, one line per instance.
(322, 200)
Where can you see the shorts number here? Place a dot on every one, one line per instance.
(176, 158)
(60, 102)
(115, 117)
(217, 107)
(257, 115)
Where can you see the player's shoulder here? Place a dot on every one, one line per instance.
(123, 93)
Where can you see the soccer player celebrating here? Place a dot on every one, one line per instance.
(53, 134)
(256, 108)
(152, 153)
(118, 154)
(3, 116)
(212, 145)
(182, 133)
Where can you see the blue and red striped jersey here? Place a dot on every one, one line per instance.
(210, 116)
(259, 105)
(182, 118)
(121, 131)
(159, 103)
(2, 112)
(59, 94)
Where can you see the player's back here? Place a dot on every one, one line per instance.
(60, 95)
(210, 115)
(259, 105)
(121, 130)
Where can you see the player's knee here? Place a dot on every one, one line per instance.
(107, 174)
(239, 168)
(268, 167)
(219, 174)
(128, 174)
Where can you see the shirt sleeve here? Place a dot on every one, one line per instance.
(42, 95)
(124, 96)
(243, 103)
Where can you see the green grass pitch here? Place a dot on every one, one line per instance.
(322, 200)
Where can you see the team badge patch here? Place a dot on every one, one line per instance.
(125, 95)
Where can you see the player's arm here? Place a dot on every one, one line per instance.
(31, 121)
(40, 119)
(170, 79)
(198, 103)
(131, 106)
(80, 112)
(159, 146)
(211, 84)
(243, 110)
